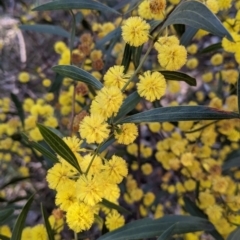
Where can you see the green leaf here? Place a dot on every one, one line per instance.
(77, 74)
(234, 235)
(5, 213)
(116, 33)
(75, 4)
(45, 28)
(50, 232)
(59, 146)
(192, 208)
(197, 15)
(149, 228)
(187, 36)
(231, 163)
(154, 24)
(168, 233)
(56, 84)
(45, 152)
(13, 181)
(111, 205)
(19, 224)
(2, 237)
(137, 52)
(179, 76)
(128, 105)
(212, 48)
(127, 57)
(108, 143)
(19, 108)
(180, 29)
(179, 113)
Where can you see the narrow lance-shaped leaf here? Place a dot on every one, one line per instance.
(45, 28)
(187, 36)
(19, 108)
(168, 233)
(137, 52)
(56, 84)
(148, 228)
(234, 235)
(198, 16)
(193, 209)
(116, 33)
(179, 76)
(127, 54)
(128, 105)
(75, 4)
(77, 74)
(59, 146)
(111, 205)
(5, 213)
(50, 232)
(19, 224)
(13, 181)
(211, 48)
(45, 152)
(179, 113)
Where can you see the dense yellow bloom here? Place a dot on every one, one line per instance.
(39, 232)
(144, 10)
(66, 195)
(190, 185)
(60, 47)
(220, 184)
(114, 220)
(89, 189)
(126, 133)
(224, 4)
(115, 77)
(157, 7)
(166, 41)
(94, 129)
(172, 57)
(74, 143)
(148, 199)
(116, 169)
(187, 159)
(192, 63)
(214, 212)
(151, 86)
(146, 168)
(23, 77)
(213, 5)
(135, 31)
(46, 82)
(57, 176)
(230, 46)
(96, 166)
(217, 59)
(80, 217)
(27, 233)
(107, 102)
(5, 231)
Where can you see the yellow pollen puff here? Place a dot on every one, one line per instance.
(151, 86)
(24, 77)
(216, 59)
(46, 82)
(135, 31)
(146, 169)
(114, 220)
(126, 133)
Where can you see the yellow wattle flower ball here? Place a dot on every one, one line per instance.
(217, 59)
(147, 168)
(80, 217)
(115, 77)
(107, 102)
(60, 47)
(151, 86)
(46, 82)
(114, 220)
(126, 134)
(166, 41)
(172, 57)
(144, 10)
(135, 31)
(213, 5)
(94, 129)
(24, 77)
(39, 232)
(116, 169)
(224, 4)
